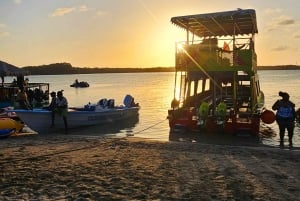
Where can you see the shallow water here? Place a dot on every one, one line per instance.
(154, 92)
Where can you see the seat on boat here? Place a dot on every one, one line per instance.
(102, 103)
(111, 103)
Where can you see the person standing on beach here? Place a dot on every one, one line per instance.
(61, 108)
(285, 117)
(52, 106)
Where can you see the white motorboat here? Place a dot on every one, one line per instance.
(103, 112)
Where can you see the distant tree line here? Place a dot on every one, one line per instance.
(67, 68)
(281, 67)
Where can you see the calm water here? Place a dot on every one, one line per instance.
(154, 92)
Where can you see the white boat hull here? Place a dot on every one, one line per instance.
(40, 121)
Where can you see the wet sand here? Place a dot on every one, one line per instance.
(69, 167)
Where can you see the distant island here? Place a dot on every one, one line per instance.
(281, 67)
(67, 68)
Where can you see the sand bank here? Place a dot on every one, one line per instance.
(60, 167)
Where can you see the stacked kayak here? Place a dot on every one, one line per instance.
(9, 126)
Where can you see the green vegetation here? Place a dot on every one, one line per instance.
(282, 67)
(67, 68)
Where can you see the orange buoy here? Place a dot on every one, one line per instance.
(268, 116)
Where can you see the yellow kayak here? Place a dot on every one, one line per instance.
(8, 123)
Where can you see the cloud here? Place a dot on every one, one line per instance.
(277, 19)
(280, 48)
(101, 13)
(285, 20)
(83, 8)
(2, 25)
(280, 22)
(4, 34)
(17, 1)
(273, 11)
(62, 11)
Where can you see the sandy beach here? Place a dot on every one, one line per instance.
(66, 167)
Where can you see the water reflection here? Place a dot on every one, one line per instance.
(214, 138)
(118, 127)
(267, 137)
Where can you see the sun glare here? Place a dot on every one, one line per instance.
(179, 46)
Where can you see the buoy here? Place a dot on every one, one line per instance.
(268, 116)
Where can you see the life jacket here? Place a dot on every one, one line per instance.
(285, 112)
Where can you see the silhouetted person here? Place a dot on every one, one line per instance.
(52, 107)
(20, 81)
(285, 117)
(22, 99)
(2, 80)
(61, 108)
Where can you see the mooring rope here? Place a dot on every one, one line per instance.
(150, 126)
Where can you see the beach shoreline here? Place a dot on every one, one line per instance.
(69, 167)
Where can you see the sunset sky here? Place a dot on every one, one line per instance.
(131, 33)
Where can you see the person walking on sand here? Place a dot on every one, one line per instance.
(61, 108)
(285, 117)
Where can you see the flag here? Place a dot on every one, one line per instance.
(226, 47)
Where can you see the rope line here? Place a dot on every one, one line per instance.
(43, 156)
(150, 126)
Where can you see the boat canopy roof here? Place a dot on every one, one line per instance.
(228, 23)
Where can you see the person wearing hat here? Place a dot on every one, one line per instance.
(285, 117)
(61, 108)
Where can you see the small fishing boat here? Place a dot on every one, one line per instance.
(216, 81)
(81, 84)
(102, 112)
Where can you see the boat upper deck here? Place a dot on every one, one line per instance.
(224, 41)
(39, 92)
(218, 24)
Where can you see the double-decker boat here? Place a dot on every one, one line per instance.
(38, 93)
(216, 82)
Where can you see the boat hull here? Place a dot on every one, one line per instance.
(40, 121)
